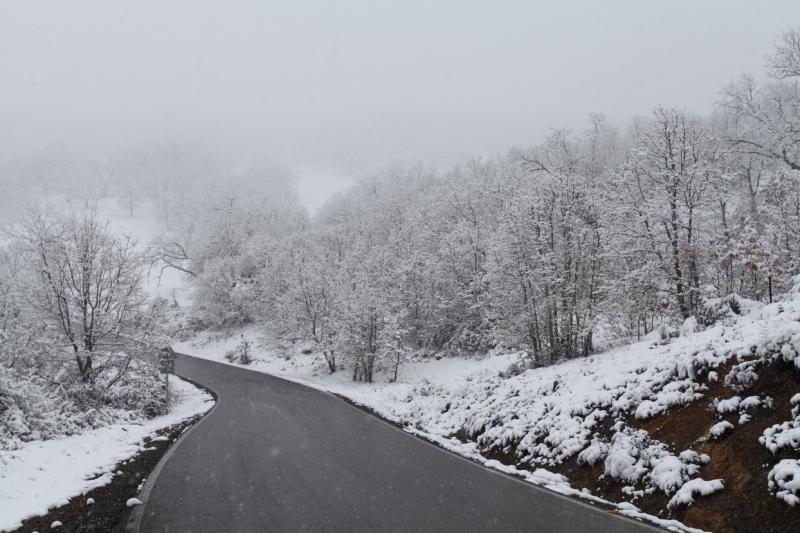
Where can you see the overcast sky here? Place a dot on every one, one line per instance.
(340, 88)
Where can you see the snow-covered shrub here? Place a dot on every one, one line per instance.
(30, 410)
(137, 388)
(283, 350)
(719, 429)
(628, 455)
(752, 402)
(624, 459)
(688, 327)
(669, 473)
(241, 353)
(728, 405)
(472, 336)
(715, 310)
(696, 487)
(633, 457)
(673, 393)
(34, 407)
(786, 434)
(515, 368)
(175, 322)
(743, 375)
(784, 481)
(665, 332)
(691, 456)
(594, 453)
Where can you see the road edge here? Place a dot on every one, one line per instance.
(599, 506)
(595, 506)
(134, 522)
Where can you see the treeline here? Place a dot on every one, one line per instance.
(590, 236)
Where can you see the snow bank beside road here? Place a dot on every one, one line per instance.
(44, 474)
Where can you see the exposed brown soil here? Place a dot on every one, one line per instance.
(109, 513)
(745, 505)
(739, 459)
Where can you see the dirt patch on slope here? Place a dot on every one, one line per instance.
(738, 458)
(743, 463)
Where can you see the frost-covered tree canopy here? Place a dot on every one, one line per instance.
(554, 249)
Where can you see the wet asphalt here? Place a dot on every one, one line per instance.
(274, 455)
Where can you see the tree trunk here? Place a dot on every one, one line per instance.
(84, 366)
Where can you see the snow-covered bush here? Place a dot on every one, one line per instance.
(727, 405)
(665, 332)
(786, 434)
(29, 410)
(33, 407)
(691, 489)
(515, 368)
(688, 327)
(743, 375)
(596, 451)
(629, 455)
(633, 457)
(784, 481)
(138, 388)
(714, 310)
(719, 429)
(241, 353)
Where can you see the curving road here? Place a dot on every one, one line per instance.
(277, 456)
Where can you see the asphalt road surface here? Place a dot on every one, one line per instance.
(277, 456)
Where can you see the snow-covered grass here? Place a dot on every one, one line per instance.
(44, 474)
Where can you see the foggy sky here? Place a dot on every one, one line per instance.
(345, 87)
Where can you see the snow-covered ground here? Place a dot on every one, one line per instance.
(44, 474)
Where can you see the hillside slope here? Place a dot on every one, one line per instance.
(703, 428)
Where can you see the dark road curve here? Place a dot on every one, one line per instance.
(274, 455)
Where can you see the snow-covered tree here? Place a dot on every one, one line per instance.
(87, 280)
(666, 184)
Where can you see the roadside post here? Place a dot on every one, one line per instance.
(166, 364)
